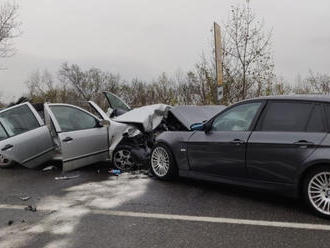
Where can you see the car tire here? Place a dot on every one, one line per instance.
(162, 162)
(316, 191)
(123, 159)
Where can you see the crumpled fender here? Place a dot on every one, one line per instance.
(149, 116)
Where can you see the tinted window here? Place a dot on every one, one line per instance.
(238, 118)
(327, 107)
(315, 123)
(18, 120)
(285, 116)
(71, 119)
(3, 134)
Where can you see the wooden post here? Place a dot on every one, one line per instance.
(218, 61)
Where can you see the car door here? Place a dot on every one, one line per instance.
(221, 150)
(25, 140)
(82, 139)
(286, 134)
(117, 106)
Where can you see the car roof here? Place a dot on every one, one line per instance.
(315, 98)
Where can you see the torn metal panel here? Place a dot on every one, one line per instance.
(116, 131)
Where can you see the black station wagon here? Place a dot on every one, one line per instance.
(277, 143)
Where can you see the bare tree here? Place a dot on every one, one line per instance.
(248, 63)
(314, 83)
(1, 103)
(9, 28)
(88, 84)
(42, 87)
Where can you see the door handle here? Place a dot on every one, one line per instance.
(304, 143)
(237, 142)
(67, 139)
(7, 147)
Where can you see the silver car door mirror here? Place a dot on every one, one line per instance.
(104, 123)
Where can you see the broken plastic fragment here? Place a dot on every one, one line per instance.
(25, 198)
(30, 208)
(115, 172)
(49, 168)
(66, 177)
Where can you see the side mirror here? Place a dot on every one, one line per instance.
(207, 126)
(104, 123)
(197, 127)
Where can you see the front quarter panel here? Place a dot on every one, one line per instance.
(177, 142)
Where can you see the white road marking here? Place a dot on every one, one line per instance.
(221, 220)
(8, 206)
(215, 220)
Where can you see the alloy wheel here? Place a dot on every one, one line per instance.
(160, 161)
(319, 192)
(123, 160)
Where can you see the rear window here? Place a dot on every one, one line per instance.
(327, 107)
(316, 122)
(286, 117)
(18, 120)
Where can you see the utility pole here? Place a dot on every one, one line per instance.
(218, 61)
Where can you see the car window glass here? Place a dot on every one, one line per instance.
(18, 120)
(238, 118)
(327, 107)
(285, 117)
(315, 123)
(86, 106)
(3, 134)
(116, 102)
(71, 119)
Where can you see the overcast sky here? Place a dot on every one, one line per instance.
(142, 38)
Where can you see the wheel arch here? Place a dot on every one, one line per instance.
(307, 170)
(172, 170)
(177, 144)
(164, 143)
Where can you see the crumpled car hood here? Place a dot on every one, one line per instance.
(149, 117)
(190, 114)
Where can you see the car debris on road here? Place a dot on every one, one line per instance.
(49, 168)
(25, 198)
(115, 172)
(30, 208)
(67, 177)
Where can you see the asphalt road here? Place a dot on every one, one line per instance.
(97, 209)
